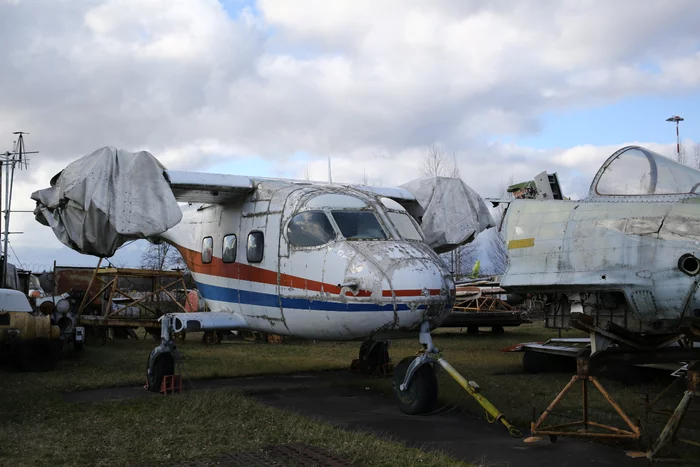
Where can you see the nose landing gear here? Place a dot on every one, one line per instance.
(415, 384)
(421, 395)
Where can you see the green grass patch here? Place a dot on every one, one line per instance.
(37, 427)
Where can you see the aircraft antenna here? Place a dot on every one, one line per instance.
(18, 157)
(330, 180)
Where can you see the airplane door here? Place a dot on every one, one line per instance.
(258, 296)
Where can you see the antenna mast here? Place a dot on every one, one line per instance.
(18, 157)
(330, 180)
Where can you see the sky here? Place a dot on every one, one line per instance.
(275, 88)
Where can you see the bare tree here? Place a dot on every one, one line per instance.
(696, 155)
(498, 253)
(437, 163)
(365, 179)
(683, 155)
(162, 256)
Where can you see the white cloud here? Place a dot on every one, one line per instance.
(370, 84)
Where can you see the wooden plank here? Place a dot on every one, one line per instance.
(138, 272)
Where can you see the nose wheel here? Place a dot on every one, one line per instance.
(420, 396)
(415, 383)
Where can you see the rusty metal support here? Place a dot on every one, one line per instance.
(107, 280)
(588, 426)
(87, 292)
(669, 434)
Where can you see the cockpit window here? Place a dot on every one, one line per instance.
(359, 225)
(310, 228)
(638, 171)
(407, 230)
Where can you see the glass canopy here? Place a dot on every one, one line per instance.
(638, 171)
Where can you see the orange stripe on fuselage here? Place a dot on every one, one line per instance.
(246, 272)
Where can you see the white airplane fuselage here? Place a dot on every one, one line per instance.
(377, 285)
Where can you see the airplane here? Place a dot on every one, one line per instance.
(622, 263)
(311, 260)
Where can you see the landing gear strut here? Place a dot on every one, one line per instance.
(162, 359)
(374, 358)
(415, 384)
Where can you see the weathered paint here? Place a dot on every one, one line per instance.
(616, 257)
(397, 284)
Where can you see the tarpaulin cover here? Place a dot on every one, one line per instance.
(450, 212)
(107, 198)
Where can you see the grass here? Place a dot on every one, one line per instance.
(37, 427)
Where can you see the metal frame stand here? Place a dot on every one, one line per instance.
(669, 435)
(106, 280)
(587, 426)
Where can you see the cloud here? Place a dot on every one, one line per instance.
(371, 85)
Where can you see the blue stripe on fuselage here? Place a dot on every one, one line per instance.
(247, 297)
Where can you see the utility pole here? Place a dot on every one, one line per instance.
(677, 119)
(10, 160)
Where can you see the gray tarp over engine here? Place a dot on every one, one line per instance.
(107, 198)
(450, 213)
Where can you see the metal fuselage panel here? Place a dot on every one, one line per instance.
(296, 290)
(630, 247)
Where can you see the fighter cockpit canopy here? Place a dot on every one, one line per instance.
(638, 171)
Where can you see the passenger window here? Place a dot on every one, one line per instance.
(207, 249)
(255, 247)
(228, 254)
(310, 228)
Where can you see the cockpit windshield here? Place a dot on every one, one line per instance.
(639, 171)
(407, 230)
(359, 225)
(310, 228)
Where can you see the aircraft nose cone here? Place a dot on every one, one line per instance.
(411, 277)
(425, 289)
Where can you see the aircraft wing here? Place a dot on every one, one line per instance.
(398, 194)
(198, 187)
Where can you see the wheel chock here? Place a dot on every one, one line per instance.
(171, 384)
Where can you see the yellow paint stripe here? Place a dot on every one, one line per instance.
(522, 243)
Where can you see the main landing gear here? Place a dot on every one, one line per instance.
(416, 387)
(373, 359)
(162, 359)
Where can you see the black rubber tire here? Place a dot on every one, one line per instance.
(78, 346)
(422, 392)
(163, 366)
(497, 330)
(373, 354)
(538, 362)
(212, 337)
